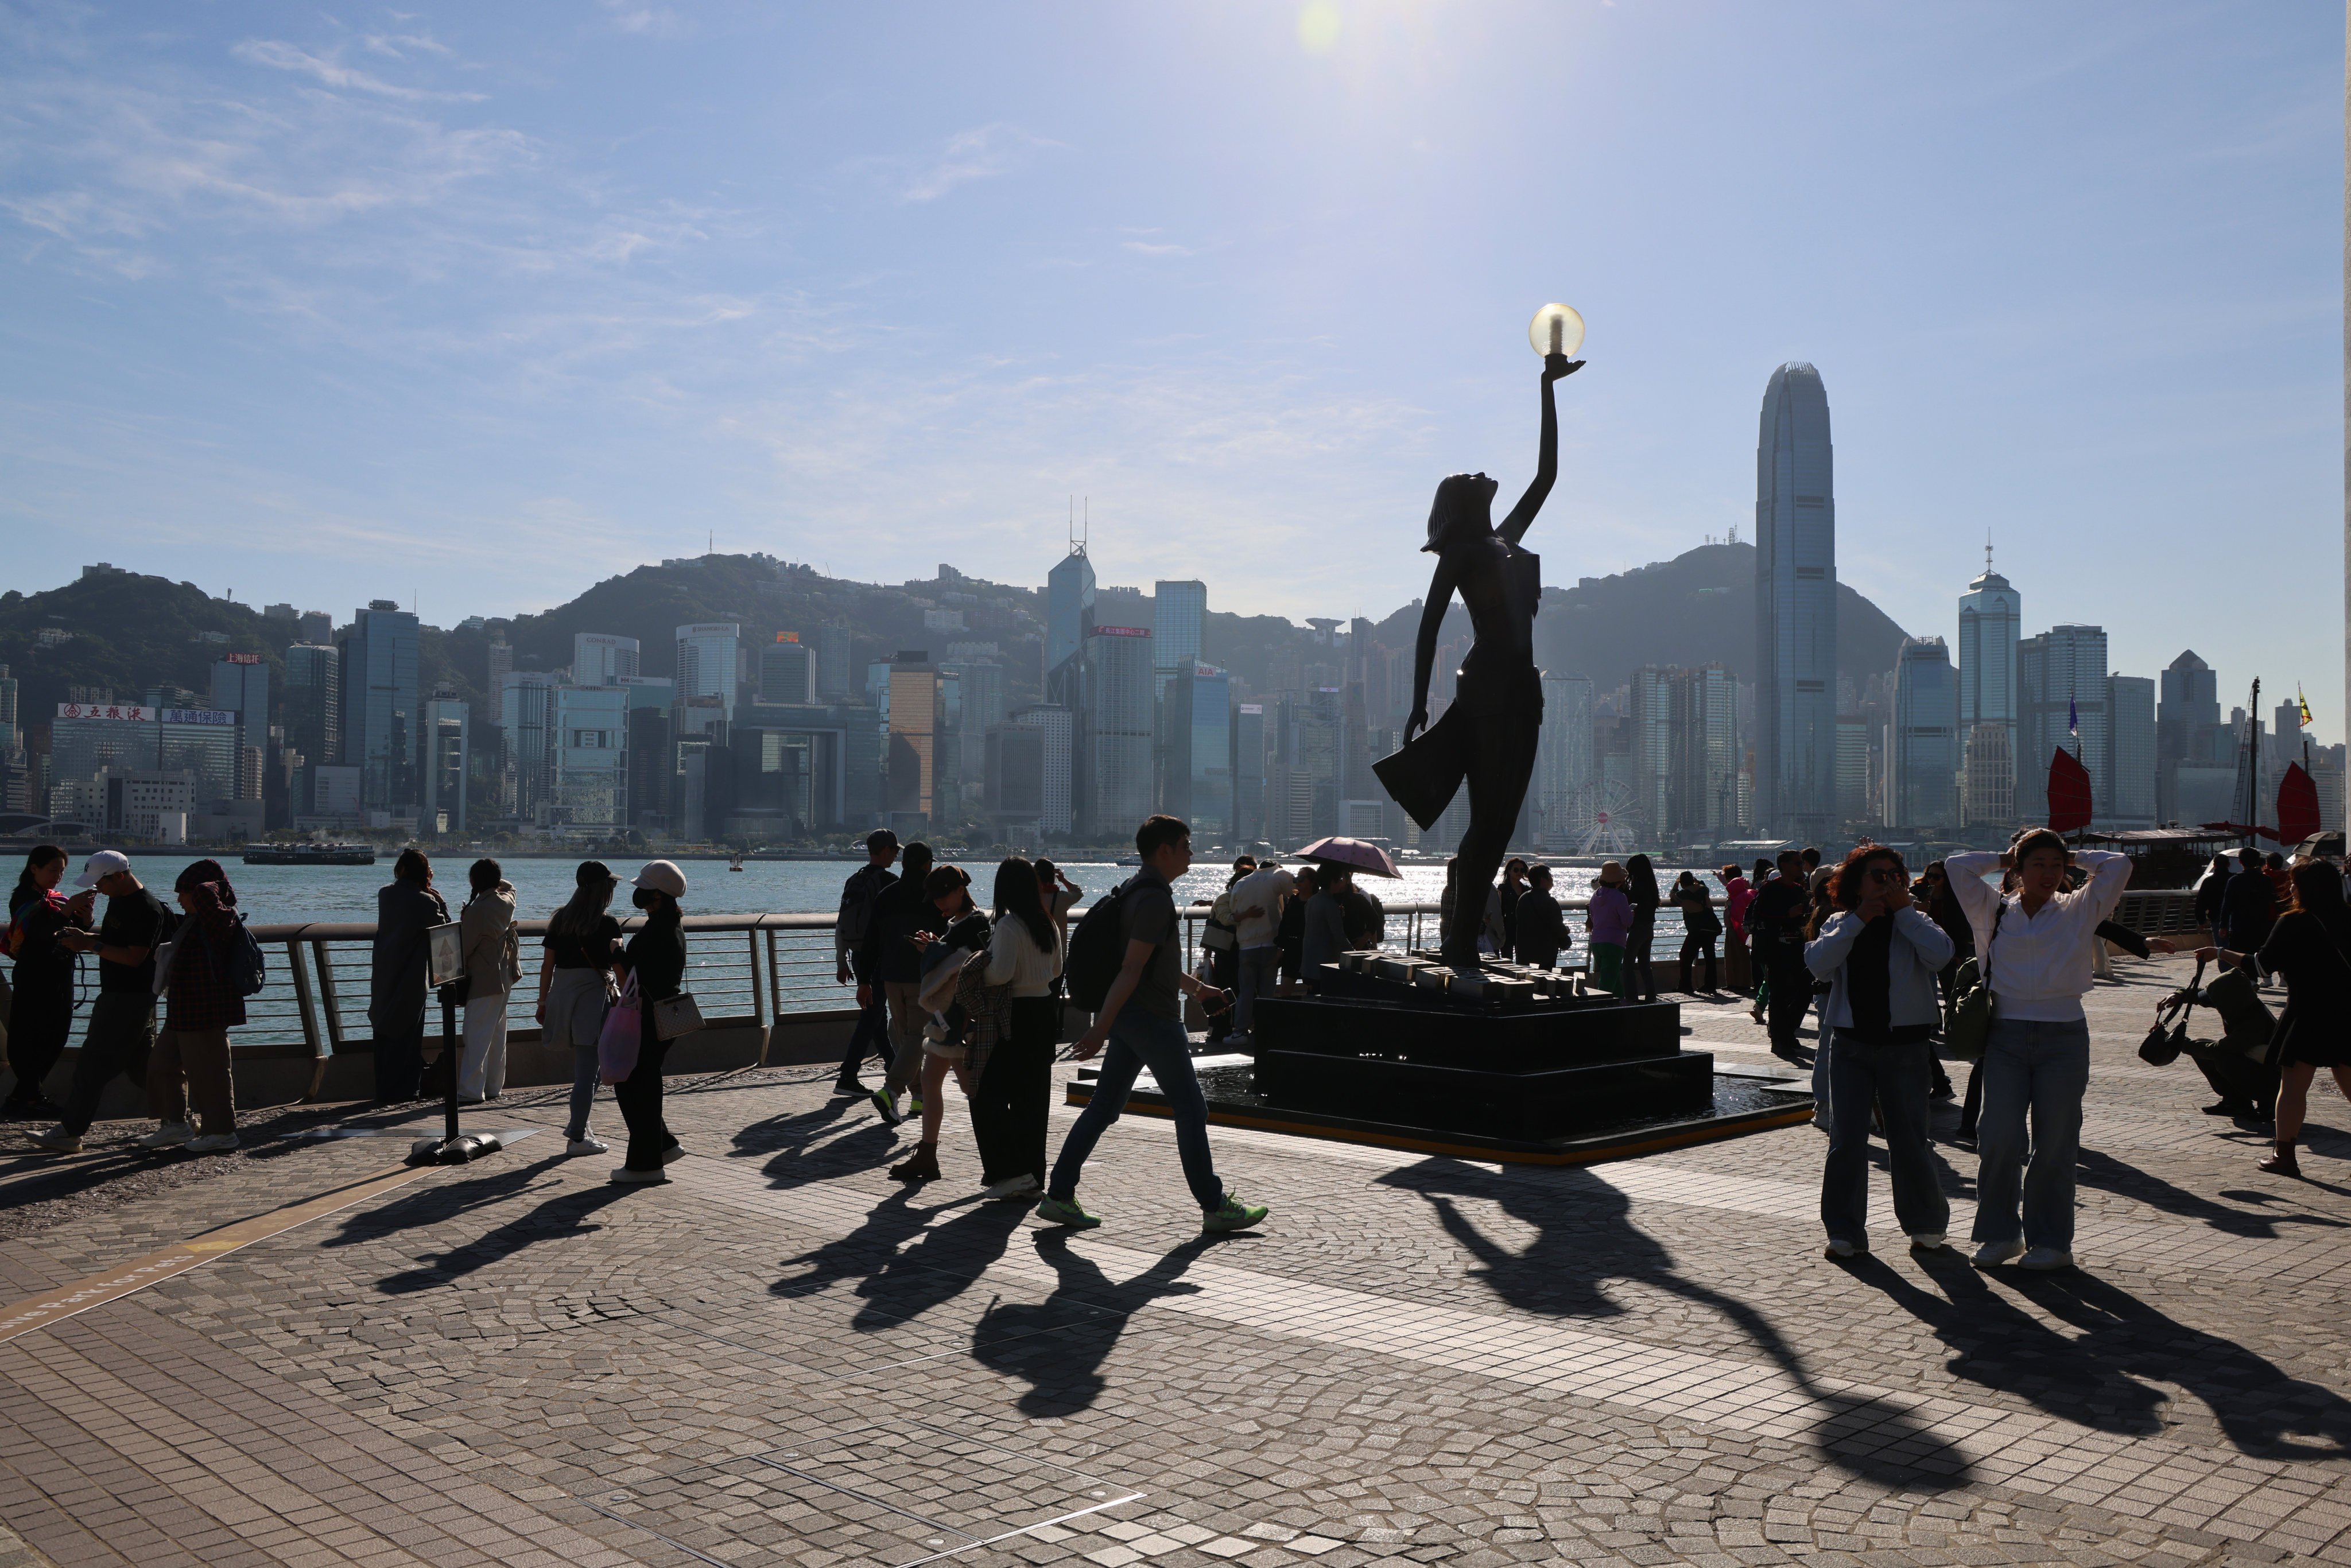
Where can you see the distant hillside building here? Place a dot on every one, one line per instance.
(1795, 607)
(601, 658)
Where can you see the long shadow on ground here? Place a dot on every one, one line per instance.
(1584, 1236)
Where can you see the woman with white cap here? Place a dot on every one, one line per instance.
(655, 957)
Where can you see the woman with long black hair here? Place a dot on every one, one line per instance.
(575, 990)
(40, 1011)
(1008, 1112)
(655, 957)
(2310, 945)
(1641, 889)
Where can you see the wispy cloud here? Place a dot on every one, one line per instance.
(1145, 247)
(646, 20)
(400, 46)
(280, 56)
(982, 152)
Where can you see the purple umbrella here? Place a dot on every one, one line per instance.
(1353, 853)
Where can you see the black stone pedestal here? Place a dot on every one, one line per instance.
(1503, 1071)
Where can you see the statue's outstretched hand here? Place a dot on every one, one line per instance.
(1415, 724)
(1558, 365)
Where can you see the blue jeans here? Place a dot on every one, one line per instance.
(1824, 1092)
(1261, 968)
(1137, 1040)
(1894, 1076)
(2044, 1068)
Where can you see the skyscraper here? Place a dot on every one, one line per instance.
(1653, 747)
(527, 715)
(1177, 612)
(1069, 617)
(706, 659)
(1992, 620)
(448, 758)
(2130, 754)
(1922, 761)
(2060, 700)
(917, 714)
(1054, 810)
(601, 658)
(241, 686)
(1120, 674)
(787, 671)
(588, 756)
(1795, 607)
(314, 716)
(1563, 757)
(380, 710)
(832, 664)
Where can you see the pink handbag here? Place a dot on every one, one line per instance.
(616, 1047)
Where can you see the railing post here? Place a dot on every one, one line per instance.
(302, 1002)
(759, 996)
(775, 982)
(327, 996)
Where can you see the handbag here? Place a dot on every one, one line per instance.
(1970, 1025)
(2164, 1041)
(622, 1035)
(676, 1016)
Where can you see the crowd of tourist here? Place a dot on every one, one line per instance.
(1988, 954)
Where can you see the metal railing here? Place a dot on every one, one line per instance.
(754, 970)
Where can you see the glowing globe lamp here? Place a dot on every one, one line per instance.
(1556, 329)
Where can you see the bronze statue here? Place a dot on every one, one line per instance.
(1488, 733)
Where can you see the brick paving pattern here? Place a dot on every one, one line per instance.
(782, 1357)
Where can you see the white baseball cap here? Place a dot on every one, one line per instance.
(663, 876)
(100, 866)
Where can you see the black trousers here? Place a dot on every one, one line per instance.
(399, 1064)
(1640, 974)
(873, 1031)
(1693, 947)
(40, 1021)
(639, 1097)
(1009, 1105)
(2234, 1076)
(1791, 993)
(121, 1037)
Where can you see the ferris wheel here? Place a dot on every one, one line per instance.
(1602, 819)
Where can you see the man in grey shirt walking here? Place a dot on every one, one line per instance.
(1141, 1022)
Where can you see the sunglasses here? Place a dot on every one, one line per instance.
(1886, 873)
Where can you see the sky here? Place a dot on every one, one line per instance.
(476, 306)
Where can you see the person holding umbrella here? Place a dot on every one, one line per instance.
(1336, 916)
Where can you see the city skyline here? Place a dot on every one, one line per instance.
(841, 329)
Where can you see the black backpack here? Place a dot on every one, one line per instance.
(1097, 951)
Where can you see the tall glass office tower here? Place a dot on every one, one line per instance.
(1991, 619)
(1178, 611)
(381, 713)
(1795, 608)
(706, 658)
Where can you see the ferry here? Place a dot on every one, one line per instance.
(309, 854)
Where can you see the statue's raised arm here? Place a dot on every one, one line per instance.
(1514, 527)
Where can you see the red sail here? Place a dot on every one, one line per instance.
(2069, 792)
(2297, 806)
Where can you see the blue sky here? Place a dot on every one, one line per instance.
(481, 304)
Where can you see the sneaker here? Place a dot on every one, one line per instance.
(213, 1143)
(590, 1144)
(169, 1135)
(673, 1154)
(624, 1176)
(1065, 1211)
(848, 1085)
(1927, 1240)
(1234, 1215)
(2045, 1258)
(57, 1141)
(2230, 1108)
(1992, 1253)
(1840, 1249)
(914, 1105)
(1021, 1186)
(887, 1104)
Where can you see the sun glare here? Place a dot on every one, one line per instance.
(1318, 27)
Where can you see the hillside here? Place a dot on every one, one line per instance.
(127, 632)
(1695, 609)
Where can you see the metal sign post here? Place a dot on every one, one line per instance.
(444, 948)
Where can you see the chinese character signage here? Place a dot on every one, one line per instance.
(1122, 632)
(241, 659)
(124, 711)
(224, 717)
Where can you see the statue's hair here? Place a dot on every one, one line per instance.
(1460, 498)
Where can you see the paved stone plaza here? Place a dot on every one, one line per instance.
(784, 1357)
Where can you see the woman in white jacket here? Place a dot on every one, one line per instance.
(2035, 952)
(493, 964)
(1881, 955)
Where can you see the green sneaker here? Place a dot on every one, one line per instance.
(1234, 1215)
(887, 1104)
(1065, 1211)
(914, 1104)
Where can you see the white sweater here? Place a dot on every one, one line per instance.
(1013, 955)
(2041, 965)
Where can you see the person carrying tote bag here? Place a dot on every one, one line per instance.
(655, 961)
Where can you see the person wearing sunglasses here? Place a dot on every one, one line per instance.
(1881, 956)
